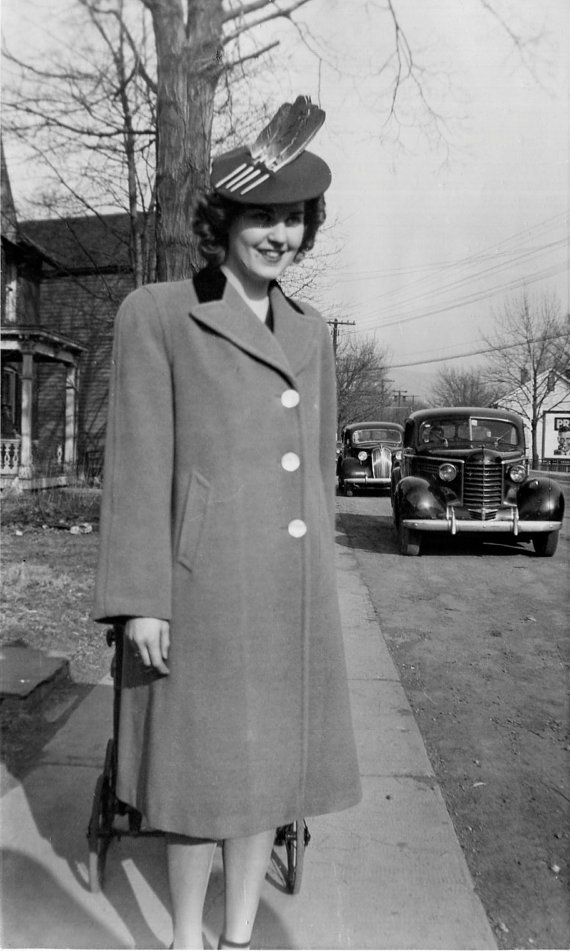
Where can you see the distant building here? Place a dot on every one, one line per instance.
(553, 424)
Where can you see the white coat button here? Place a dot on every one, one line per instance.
(290, 398)
(290, 461)
(297, 528)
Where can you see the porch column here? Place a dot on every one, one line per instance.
(70, 418)
(26, 462)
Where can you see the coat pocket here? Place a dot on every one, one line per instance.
(193, 519)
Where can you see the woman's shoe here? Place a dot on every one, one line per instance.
(226, 943)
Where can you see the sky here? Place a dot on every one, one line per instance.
(433, 228)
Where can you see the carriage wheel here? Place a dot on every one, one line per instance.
(99, 831)
(98, 835)
(296, 838)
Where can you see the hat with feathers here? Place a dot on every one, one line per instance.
(276, 168)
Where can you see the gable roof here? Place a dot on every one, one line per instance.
(9, 221)
(83, 245)
(522, 388)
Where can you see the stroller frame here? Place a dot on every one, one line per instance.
(112, 819)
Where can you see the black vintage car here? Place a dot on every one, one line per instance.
(365, 459)
(464, 469)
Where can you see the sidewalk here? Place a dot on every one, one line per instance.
(388, 874)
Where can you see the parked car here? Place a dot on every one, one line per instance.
(365, 459)
(465, 469)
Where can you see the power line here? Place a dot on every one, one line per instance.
(474, 353)
(507, 254)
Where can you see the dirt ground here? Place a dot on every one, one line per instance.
(479, 636)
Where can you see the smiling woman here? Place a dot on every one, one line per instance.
(235, 718)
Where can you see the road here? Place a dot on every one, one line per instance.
(479, 633)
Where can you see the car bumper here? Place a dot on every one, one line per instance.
(454, 526)
(366, 480)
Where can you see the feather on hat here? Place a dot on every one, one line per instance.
(276, 168)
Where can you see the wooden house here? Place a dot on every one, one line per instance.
(40, 367)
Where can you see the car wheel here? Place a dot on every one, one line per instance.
(545, 544)
(409, 541)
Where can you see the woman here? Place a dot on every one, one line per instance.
(217, 548)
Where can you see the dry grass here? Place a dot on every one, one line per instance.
(48, 575)
(52, 508)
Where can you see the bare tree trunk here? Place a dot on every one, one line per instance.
(189, 54)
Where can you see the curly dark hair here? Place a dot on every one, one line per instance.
(214, 215)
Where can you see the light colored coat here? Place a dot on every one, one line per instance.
(218, 512)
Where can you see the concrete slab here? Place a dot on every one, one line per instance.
(83, 739)
(25, 671)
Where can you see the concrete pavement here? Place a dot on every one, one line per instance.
(387, 874)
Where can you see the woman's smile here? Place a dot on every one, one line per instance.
(263, 241)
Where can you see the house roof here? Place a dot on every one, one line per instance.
(46, 344)
(9, 221)
(523, 388)
(93, 243)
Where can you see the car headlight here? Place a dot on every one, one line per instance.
(447, 472)
(362, 456)
(517, 473)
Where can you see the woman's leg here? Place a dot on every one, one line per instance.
(189, 866)
(245, 865)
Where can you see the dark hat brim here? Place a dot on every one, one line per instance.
(307, 176)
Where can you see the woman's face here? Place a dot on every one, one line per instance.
(263, 241)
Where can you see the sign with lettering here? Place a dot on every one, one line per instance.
(556, 435)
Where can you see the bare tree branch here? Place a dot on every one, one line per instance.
(245, 10)
(529, 341)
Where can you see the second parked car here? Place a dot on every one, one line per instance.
(365, 460)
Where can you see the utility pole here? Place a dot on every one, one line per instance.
(335, 324)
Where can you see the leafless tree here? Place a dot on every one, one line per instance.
(361, 374)
(90, 118)
(162, 97)
(455, 387)
(529, 343)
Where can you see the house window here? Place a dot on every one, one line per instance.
(10, 402)
(10, 285)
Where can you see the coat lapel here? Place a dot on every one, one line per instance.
(287, 348)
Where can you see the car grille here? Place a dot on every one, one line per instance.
(428, 468)
(482, 483)
(381, 460)
(483, 488)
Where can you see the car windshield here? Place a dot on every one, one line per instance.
(376, 435)
(461, 431)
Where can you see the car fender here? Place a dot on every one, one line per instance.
(540, 497)
(395, 480)
(350, 467)
(414, 498)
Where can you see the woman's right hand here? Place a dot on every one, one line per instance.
(150, 640)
